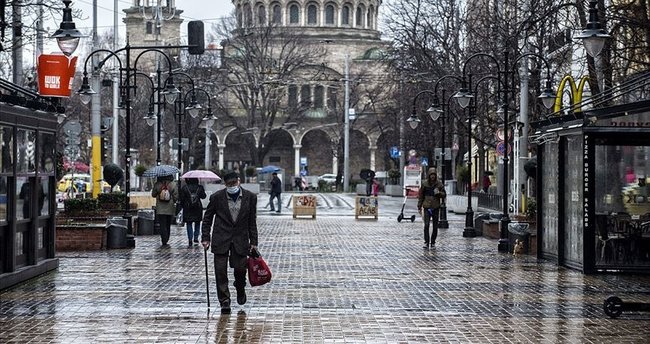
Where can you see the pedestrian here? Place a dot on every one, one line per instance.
(190, 197)
(430, 196)
(375, 187)
(230, 227)
(276, 191)
(486, 182)
(165, 191)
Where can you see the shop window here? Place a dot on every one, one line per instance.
(47, 155)
(6, 149)
(43, 200)
(4, 198)
(26, 155)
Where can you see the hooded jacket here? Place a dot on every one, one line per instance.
(430, 196)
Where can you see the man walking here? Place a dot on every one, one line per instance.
(430, 196)
(276, 190)
(230, 226)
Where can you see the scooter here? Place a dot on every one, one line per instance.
(614, 306)
(400, 217)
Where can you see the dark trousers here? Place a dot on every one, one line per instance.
(430, 216)
(238, 263)
(274, 196)
(165, 226)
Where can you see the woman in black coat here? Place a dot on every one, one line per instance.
(190, 197)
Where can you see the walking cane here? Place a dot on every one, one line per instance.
(207, 283)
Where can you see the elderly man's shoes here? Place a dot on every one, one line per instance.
(241, 296)
(225, 307)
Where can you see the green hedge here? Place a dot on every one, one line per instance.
(79, 205)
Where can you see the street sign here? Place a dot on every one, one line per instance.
(185, 143)
(394, 152)
(303, 161)
(424, 161)
(501, 148)
(438, 152)
(500, 135)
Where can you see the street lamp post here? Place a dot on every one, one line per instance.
(464, 95)
(126, 88)
(180, 111)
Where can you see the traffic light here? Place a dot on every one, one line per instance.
(195, 38)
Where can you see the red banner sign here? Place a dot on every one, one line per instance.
(55, 75)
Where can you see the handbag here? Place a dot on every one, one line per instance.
(258, 271)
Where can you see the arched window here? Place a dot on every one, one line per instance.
(331, 98)
(292, 97)
(294, 14)
(305, 96)
(312, 14)
(329, 14)
(345, 15)
(319, 97)
(370, 18)
(248, 16)
(240, 23)
(277, 14)
(359, 17)
(261, 15)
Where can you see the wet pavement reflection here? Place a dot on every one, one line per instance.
(335, 279)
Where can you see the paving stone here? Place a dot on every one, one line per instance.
(335, 280)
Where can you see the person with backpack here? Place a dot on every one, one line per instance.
(191, 195)
(166, 193)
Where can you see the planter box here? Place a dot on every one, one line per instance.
(80, 237)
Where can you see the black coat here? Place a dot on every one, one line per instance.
(221, 229)
(192, 213)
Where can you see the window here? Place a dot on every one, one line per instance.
(261, 15)
(329, 14)
(277, 14)
(248, 20)
(369, 20)
(319, 97)
(292, 95)
(345, 15)
(331, 98)
(239, 18)
(6, 149)
(26, 157)
(47, 155)
(149, 28)
(312, 14)
(294, 14)
(305, 95)
(359, 19)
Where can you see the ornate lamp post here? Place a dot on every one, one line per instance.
(67, 36)
(126, 72)
(464, 96)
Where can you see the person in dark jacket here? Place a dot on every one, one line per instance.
(430, 196)
(230, 227)
(276, 191)
(190, 196)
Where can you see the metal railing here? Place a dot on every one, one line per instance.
(489, 200)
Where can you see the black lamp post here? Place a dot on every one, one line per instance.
(180, 110)
(67, 36)
(125, 90)
(152, 118)
(593, 35)
(464, 96)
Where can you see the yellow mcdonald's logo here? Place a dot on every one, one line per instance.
(576, 93)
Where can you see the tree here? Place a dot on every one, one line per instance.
(260, 63)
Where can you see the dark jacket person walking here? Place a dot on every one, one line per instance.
(166, 193)
(230, 226)
(190, 196)
(430, 195)
(276, 191)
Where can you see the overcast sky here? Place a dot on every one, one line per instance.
(208, 11)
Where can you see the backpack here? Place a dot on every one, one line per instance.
(164, 194)
(195, 201)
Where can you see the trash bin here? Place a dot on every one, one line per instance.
(518, 231)
(146, 219)
(116, 228)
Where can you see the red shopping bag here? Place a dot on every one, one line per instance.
(258, 271)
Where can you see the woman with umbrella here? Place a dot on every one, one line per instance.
(191, 195)
(166, 193)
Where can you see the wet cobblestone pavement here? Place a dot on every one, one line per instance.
(335, 280)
